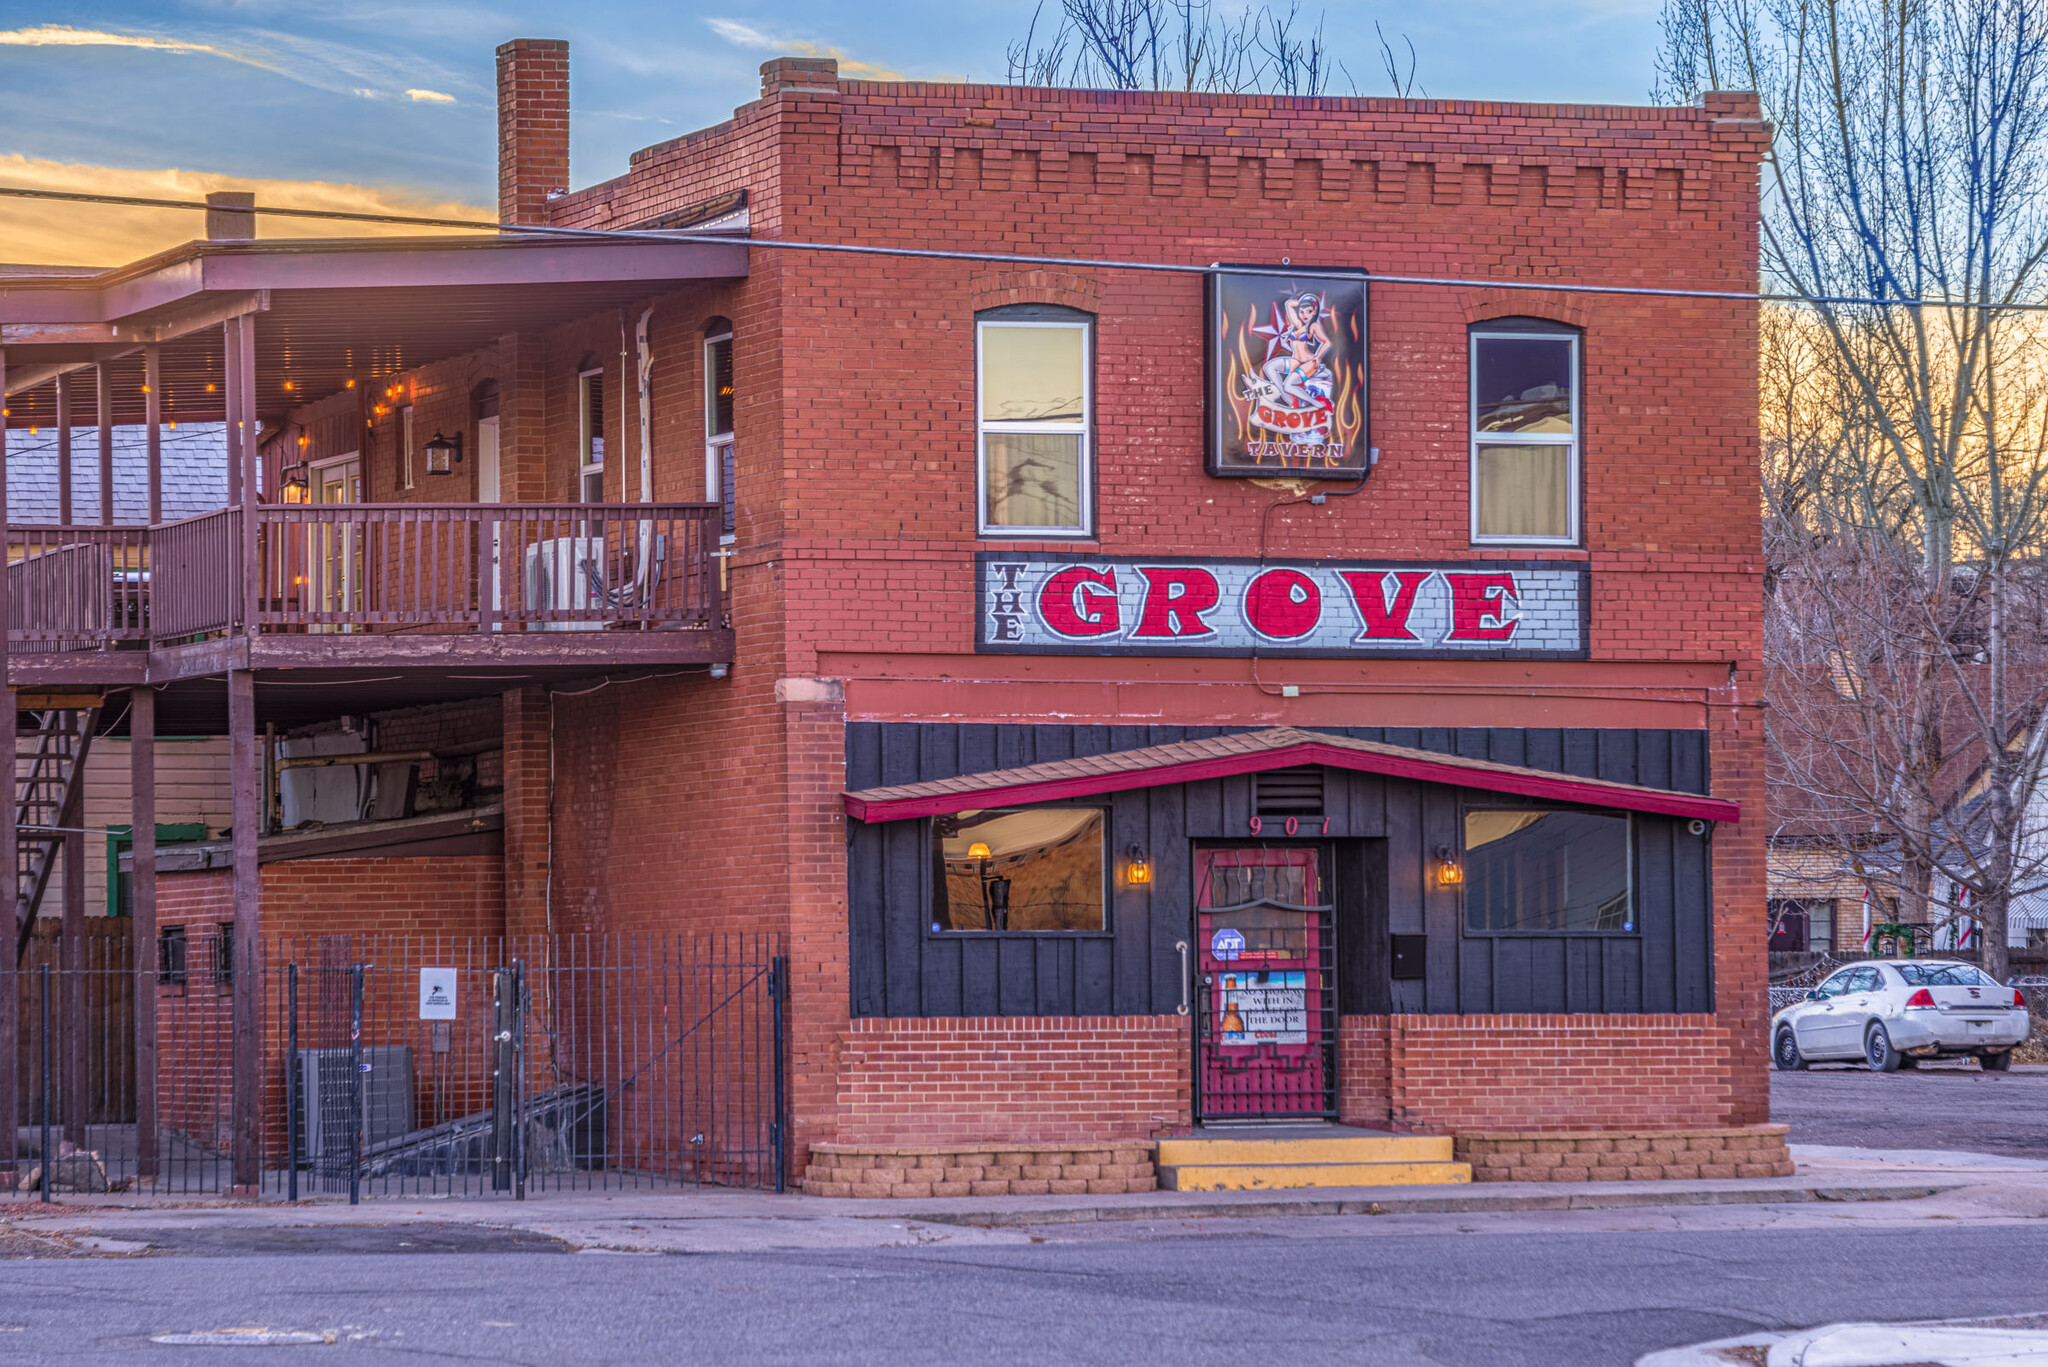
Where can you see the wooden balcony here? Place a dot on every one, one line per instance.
(368, 587)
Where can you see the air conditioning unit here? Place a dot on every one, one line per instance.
(566, 573)
(385, 1099)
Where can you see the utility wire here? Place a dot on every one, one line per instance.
(1003, 258)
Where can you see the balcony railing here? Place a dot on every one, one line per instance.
(374, 568)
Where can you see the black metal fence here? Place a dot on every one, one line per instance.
(414, 1066)
(104, 1106)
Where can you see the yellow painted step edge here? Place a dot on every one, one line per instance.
(1419, 1148)
(1285, 1176)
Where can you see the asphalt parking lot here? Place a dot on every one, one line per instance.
(1943, 1106)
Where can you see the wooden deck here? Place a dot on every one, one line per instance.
(368, 587)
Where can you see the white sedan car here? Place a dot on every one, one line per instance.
(1895, 1012)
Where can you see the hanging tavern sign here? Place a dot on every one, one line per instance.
(1038, 604)
(1287, 375)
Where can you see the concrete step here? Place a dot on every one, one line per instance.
(1330, 1157)
(1291, 1176)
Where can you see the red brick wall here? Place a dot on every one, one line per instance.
(1012, 1078)
(460, 895)
(1558, 1072)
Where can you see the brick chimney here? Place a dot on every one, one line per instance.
(533, 127)
(230, 216)
(799, 73)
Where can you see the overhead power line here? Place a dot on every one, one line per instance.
(1001, 258)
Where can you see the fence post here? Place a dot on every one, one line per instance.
(502, 1121)
(292, 1081)
(518, 1048)
(43, 976)
(356, 1093)
(778, 979)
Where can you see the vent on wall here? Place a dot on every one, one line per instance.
(1289, 792)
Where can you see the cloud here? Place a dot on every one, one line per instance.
(57, 234)
(63, 35)
(746, 35)
(429, 97)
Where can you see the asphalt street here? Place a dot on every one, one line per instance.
(1218, 1296)
(1951, 1106)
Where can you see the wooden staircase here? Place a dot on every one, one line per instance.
(1306, 1156)
(49, 779)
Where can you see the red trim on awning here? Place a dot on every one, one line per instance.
(1001, 791)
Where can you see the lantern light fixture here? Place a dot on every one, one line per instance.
(293, 490)
(442, 453)
(1137, 868)
(980, 850)
(1450, 870)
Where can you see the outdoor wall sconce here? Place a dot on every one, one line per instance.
(293, 490)
(1450, 870)
(1137, 868)
(442, 453)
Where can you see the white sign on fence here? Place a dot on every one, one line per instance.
(437, 994)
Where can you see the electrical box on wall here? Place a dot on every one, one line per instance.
(1410, 953)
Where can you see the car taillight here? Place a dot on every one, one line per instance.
(1921, 998)
(2019, 998)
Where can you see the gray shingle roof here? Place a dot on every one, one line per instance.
(195, 473)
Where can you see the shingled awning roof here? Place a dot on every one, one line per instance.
(1278, 747)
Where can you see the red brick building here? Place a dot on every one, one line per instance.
(1133, 696)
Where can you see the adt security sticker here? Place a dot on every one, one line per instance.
(1226, 944)
(437, 994)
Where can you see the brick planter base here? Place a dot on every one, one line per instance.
(919, 1170)
(1625, 1155)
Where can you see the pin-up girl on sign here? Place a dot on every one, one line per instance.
(1297, 354)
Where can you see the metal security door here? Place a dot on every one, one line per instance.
(1266, 1027)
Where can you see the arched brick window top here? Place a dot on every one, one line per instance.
(1061, 289)
(1533, 306)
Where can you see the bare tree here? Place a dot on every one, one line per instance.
(1904, 204)
(1192, 45)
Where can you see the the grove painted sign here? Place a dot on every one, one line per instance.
(1038, 603)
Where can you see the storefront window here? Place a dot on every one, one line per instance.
(1038, 868)
(1547, 870)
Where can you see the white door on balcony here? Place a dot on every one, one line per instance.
(489, 489)
(333, 552)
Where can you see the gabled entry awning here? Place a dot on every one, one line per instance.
(1279, 747)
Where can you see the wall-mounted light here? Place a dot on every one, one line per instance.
(1450, 870)
(442, 453)
(1137, 868)
(980, 850)
(293, 490)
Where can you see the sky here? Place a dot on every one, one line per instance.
(390, 104)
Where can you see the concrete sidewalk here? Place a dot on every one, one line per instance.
(1834, 1184)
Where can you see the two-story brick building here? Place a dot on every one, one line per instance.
(1195, 654)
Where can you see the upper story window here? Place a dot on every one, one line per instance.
(1525, 433)
(1033, 420)
(590, 435)
(719, 395)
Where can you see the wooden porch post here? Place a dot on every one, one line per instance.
(106, 416)
(10, 1016)
(245, 760)
(142, 927)
(71, 962)
(64, 449)
(248, 462)
(231, 407)
(153, 425)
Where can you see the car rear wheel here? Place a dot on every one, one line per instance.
(1878, 1050)
(1785, 1053)
(1995, 1063)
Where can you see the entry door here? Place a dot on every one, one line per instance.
(489, 489)
(334, 548)
(1265, 1042)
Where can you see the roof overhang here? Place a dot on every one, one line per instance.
(1251, 752)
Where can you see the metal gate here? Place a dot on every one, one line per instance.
(1266, 1018)
(429, 1066)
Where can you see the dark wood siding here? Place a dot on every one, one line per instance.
(1384, 831)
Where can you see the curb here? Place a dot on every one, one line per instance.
(1419, 1205)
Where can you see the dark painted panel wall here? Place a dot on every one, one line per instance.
(900, 969)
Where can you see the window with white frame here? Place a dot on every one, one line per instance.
(1033, 413)
(1525, 433)
(590, 435)
(405, 470)
(718, 424)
